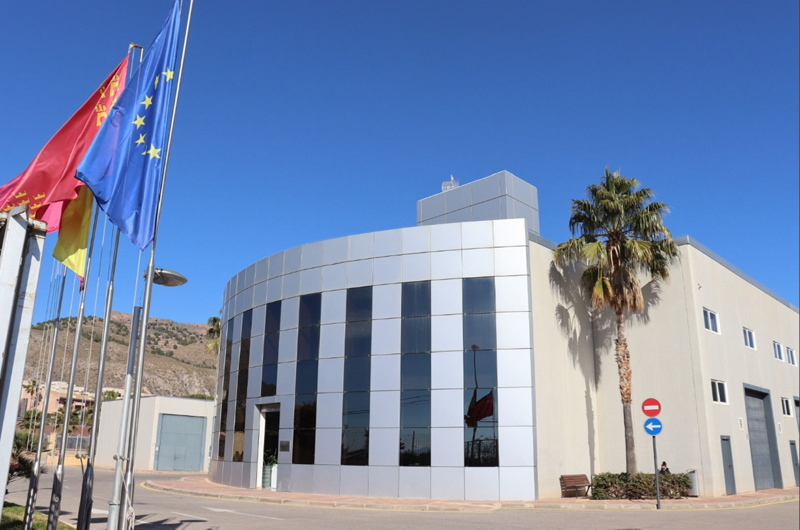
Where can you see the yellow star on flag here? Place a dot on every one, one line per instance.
(148, 100)
(140, 141)
(157, 78)
(153, 152)
(139, 121)
(169, 73)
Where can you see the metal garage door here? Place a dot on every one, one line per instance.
(180, 443)
(759, 441)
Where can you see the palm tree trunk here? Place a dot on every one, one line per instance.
(623, 358)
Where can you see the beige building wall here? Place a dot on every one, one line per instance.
(151, 409)
(564, 375)
(674, 358)
(738, 304)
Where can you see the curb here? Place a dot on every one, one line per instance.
(349, 504)
(478, 508)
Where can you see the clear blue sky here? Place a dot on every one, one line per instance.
(301, 121)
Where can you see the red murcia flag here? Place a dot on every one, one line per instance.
(49, 183)
(478, 410)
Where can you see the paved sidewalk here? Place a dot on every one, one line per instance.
(199, 485)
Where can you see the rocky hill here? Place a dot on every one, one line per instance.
(177, 361)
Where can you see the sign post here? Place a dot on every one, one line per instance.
(653, 426)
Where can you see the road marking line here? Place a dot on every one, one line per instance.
(101, 512)
(225, 510)
(192, 516)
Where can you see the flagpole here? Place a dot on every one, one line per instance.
(87, 486)
(33, 486)
(148, 290)
(58, 476)
(85, 506)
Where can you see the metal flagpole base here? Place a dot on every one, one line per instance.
(55, 498)
(30, 502)
(85, 507)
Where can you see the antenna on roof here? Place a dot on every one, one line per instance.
(450, 184)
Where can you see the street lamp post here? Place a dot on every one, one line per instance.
(122, 490)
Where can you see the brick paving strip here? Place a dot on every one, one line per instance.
(200, 486)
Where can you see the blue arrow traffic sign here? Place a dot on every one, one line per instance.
(653, 426)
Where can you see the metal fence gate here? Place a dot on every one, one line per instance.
(759, 441)
(180, 443)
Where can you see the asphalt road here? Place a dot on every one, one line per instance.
(161, 510)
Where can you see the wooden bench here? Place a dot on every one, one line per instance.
(575, 483)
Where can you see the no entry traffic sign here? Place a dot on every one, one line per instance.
(651, 407)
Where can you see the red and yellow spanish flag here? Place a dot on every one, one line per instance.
(73, 238)
(49, 184)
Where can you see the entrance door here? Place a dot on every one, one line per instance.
(795, 464)
(759, 440)
(272, 420)
(180, 443)
(727, 465)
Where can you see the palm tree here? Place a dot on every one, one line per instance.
(620, 234)
(213, 334)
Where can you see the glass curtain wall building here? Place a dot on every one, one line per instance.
(380, 354)
(454, 360)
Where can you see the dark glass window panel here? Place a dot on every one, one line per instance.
(305, 411)
(355, 410)
(480, 332)
(355, 447)
(356, 374)
(358, 338)
(415, 446)
(247, 324)
(415, 408)
(310, 309)
(244, 355)
(303, 452)
(221, 446)
(478, 295)
(271, 343)
(273, 322)
(241, 385)
(480, 407)
(269, 380)
(238, 420)
(238, 446)
(722, 397)
(416, 299)
(415, 371)
(308, 343)
(481, 447)
(415, 335)
(714, 395)
(480, 369)
(228, 354)
(306, 377)
(359, 304)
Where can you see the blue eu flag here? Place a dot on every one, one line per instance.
(124, 163)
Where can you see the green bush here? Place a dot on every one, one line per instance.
(639, 486)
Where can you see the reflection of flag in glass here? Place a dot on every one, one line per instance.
(479, 408)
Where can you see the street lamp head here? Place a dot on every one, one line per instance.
(167, 277)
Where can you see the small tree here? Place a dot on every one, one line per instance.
(620, 234)
(20, 465)
(110, 395)
(213, 334)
